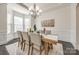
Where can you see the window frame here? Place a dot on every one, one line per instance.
(15, 13)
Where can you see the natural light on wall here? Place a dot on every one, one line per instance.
(9, 23)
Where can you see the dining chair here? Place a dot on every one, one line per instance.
(27, 43)
(36, 42)
(20, 41)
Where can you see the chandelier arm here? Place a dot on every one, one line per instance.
(34, 12)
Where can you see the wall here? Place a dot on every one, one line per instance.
(63, 23)
(73, 24)
(77, 27)
(3, 23)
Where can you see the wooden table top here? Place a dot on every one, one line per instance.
(47, 40)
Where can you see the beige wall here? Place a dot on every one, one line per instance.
(3, 23)
(77, 26)
(73, 24)
(3, 17)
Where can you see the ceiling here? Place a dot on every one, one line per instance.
(47, 6)
(23, 7)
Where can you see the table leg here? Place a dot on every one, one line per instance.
(46, 48)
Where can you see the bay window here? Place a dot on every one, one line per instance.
(18, 22)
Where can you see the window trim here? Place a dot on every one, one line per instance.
(15, 13)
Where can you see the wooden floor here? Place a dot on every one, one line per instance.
(8, 49)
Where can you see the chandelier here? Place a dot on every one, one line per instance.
(34, 11)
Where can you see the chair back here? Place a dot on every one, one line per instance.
(26, 36)
(35, 38)
(19, 35)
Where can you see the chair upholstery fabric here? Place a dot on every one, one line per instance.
(26, 37)
(19, 35)
(35, 38)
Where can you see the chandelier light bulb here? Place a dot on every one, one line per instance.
(31, 13)
(37, 8)
(35, 11)
(31, 8)
(38, 13)
(40, 10)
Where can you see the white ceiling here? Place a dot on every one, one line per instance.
(43, 6)
(47, 6)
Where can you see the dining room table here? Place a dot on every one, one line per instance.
(48, 42)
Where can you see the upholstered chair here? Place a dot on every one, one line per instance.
(36, 42)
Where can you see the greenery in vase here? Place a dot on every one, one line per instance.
(35, 28)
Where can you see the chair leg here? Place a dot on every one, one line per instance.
(18, 43)
(32, 50)
(24, 47)
(40, 51)
(21, 45)
(29, 50)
